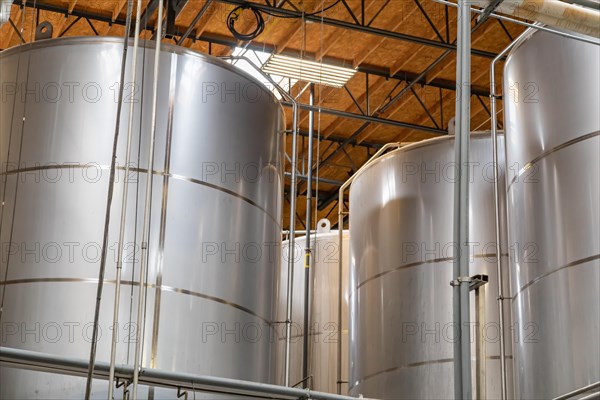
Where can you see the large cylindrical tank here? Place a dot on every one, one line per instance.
(552, 97)
(401, 252)
(215, 212)
(323, 311)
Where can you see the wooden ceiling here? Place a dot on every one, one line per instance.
(393, 61)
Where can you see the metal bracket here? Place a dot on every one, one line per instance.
(125, 384)
(475, 281)
(181, 394)
(488, 10)
(43, 31)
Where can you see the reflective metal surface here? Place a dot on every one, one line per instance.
(552, 97)
(323, 336)
(216, 198)
(401, 250)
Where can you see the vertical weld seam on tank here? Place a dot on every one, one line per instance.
(163, 211)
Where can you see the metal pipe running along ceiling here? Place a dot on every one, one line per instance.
(356, 27)
(368, 118)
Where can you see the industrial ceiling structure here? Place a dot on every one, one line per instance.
(403, 52)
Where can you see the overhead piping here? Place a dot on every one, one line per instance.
(501, 17)
(551, 12)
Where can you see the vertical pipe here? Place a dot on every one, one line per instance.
(461, 203)
(291, 245)
(146, 226)
(340, 286)
(497, 222)
(340, 224)
(458, 389)
(311, 119)
(493, 112)
(113, 346)
(111, 187)
(368, 105)
(480, 356)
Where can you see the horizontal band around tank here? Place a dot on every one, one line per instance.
(545, 275)
(418, 263)
(143, 171)
(507, 357)
(312, 334)
(417, 364)
(548, 152)
(130, 283)
(412, 365)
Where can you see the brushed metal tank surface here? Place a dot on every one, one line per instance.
(552, 97)
(324, 300)
(401, 252)
(215, 212)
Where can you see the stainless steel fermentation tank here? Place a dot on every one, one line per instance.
(216, 205)
(401, 252)
(551, 99)
(323, 311)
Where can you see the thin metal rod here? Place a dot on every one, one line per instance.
(461, 300)
(340, 227)
(497, 191)
(291, 246)
(321, 180)
(578, 391)
(111, 188)
(593, 396)
(115, 324)
(308, 248)
(527, 24)
(147, 208)
(32, 360)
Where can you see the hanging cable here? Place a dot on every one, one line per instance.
(235, 14)
(233, 17)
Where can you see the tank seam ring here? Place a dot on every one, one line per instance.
(547, 153)
(417, 364)
(149, 285)
(545, 275)
(419, 263)
(145, 171)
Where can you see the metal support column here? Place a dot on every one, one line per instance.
(461, 308)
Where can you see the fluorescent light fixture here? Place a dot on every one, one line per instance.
(259, 58)
(5, 11)
(308, 71)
